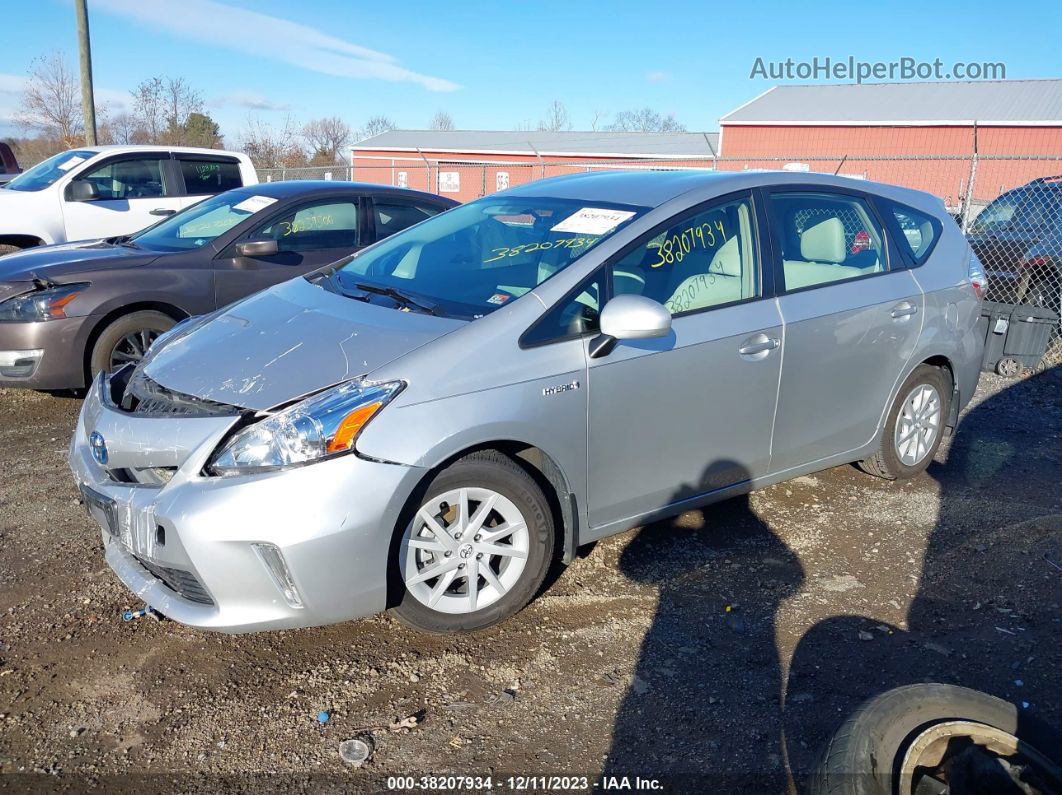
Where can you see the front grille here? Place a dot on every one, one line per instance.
(181, 582)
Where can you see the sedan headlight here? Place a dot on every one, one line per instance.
(322, 426)
(47, 304)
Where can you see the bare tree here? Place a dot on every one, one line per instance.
(149, 108)
(645, 120)
(162, 107)
(182, 101)
(596, 120)
(377, 125)
(442, 121)
(327, 139)
(122, 129)
(557, 119)
(51, 101)
(273, 148)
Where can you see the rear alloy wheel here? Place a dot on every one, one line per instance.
(914, 426)
(127, 339)
(476, 549)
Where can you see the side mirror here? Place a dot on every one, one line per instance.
(257, 248)
(83, 191)
(630, 317)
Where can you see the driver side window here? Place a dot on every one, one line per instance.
(127, 179)
(704, 260)
(313, 227)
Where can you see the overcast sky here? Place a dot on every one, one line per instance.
(493, 65)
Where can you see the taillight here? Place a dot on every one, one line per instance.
(977, 276)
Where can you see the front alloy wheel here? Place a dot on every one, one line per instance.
(477, 547)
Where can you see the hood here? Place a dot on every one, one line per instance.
(287, 341)
(70, 259)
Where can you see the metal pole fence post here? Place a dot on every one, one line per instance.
(966, 217)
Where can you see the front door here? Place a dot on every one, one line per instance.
(851, 324)
(133, 192)
(308, 237)
(677, 417)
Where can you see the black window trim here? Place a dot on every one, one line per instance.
(892, 253)
(243, 230)
(208, 158)
(904, 249)
(170, 189)
(761, 246)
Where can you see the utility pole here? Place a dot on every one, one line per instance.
(88, 104)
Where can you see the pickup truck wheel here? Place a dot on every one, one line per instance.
(914, 425)
(126, 340)
(6, 248)
(476, 548)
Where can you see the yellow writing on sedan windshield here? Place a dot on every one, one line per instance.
(677, 245)
(528, 248)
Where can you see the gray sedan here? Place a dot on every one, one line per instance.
(426, 425)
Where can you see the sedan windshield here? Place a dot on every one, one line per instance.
(199, 224)
(475, 258)
(48, 171)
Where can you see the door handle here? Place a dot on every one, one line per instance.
(760, 343)
(162, 211)
(904, 309)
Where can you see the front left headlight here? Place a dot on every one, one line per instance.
(47, 304)
(321, 426)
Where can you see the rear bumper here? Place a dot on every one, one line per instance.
(192, 548)
(61, 365)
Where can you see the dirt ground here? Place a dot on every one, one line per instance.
(716, 652)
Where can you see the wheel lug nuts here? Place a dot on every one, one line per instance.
(479, 538)
(447, 554)
(479, 556)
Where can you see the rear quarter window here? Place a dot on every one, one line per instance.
(916, 232)
(207, 177)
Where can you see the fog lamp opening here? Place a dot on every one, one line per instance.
(19, 364)
(278, 570)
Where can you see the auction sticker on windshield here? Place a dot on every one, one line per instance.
(70, 162)
(592, 221)
(253, 204)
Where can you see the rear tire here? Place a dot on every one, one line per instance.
(908, 443)
(508, 567)
(867, 753)
(6, 248)
(137, 328)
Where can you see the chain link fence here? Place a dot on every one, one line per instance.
(1009, 206)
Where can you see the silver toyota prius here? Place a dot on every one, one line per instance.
(427, 425)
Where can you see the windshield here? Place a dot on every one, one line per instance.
(477, 257)
(199, 224)
(48, 171)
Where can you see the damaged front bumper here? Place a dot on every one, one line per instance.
(301, 547)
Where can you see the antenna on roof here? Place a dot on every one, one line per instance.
(839, 165)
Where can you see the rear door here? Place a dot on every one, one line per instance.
(851, 321)
(135, 191)
(308, 234)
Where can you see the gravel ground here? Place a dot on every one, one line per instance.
(726, 645)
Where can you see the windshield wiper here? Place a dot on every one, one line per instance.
(399, 296)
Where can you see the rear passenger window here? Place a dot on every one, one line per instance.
(705, 260)
(918, 231)
(826, 238)
(128, 179)
(391, 218)
(205, 177)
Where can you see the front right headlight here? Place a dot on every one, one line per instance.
(322, 426)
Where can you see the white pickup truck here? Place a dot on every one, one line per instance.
(107, 191)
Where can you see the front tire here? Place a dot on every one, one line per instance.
(914, 425)
(127, 339)
(474, 549)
